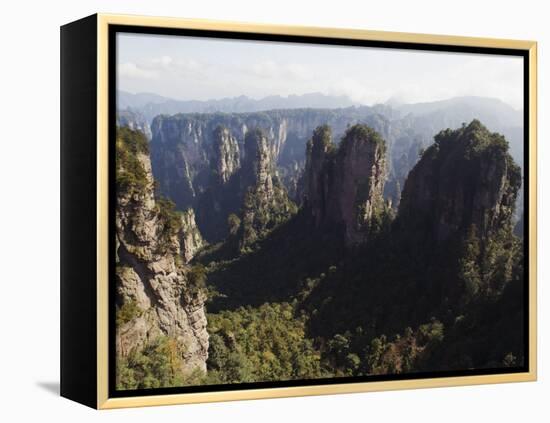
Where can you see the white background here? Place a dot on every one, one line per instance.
(29, 242)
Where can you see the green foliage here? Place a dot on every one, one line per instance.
(261, 344)
(476, 142)
(233, 224)
(262, 214)
(500, 253)
(323, 133)
(359, 353)
(485, 268)
(170, 221)
(127, 312)
(375, 355)
(364, 132)
(431, 332)
(489, 334)
(158, 364)
(380, 222)
(168, 214)
(131, 176)
(276, 270)
(321, 141)
(299, 305)
(197, 278)
(469, 270)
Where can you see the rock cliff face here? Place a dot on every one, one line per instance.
(466, 178)
(406, 129)
(212, 169)
(319, 172)
(258, 166)
(266, 203)
(190, 237)
(133, 120)
(192, 153)
(225, 158)
(155, 295)
(345, 185)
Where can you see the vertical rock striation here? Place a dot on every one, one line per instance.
(193, 155)
(466, 178)
(155, 296)
(345, 185)
(225, 160)
(265, 203)
(190, 237)
(133, 120)
(318, 174)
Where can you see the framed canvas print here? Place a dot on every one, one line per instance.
(254, 211)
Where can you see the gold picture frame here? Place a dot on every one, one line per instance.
(100, 360)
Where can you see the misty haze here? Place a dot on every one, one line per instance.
(297, 211)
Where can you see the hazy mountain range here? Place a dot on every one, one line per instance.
(289, 122)
(151, 105)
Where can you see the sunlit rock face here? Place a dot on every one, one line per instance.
(345, 184)
(152, 278)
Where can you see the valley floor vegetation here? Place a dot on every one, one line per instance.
(302, 289)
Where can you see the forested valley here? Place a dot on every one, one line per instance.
(333, 250)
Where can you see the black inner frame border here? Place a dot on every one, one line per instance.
(113, 30)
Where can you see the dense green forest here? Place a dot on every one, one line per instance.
(437, 284)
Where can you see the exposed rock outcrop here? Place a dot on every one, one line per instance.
(266, 203)
(194, 155)
(155, 295)
(258, 167)
(185, 148)
(133, 120)
(466, 178)
(222, 194)
(250, 186)
(344, 185)
(406, 129)
(318, 176)
(190, 237)
(225, 160)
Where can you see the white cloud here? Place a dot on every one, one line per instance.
(163, 61)
(297, 71)
(190, 65)
(169, 64)
(272, 69)
(190, 68)
(159, 68)
(356, 90)
(131, 70)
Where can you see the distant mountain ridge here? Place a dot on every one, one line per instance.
(496, 111)
(183, 153)
(151, 105)
(492, 111)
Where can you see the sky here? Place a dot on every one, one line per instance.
(192, 68)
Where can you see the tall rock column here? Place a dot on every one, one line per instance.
(266, 203)
(357, 197)
(155, 294)
(319, 154)
(225, 160)
(466, 178)
(344, 185)
(457, 205)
